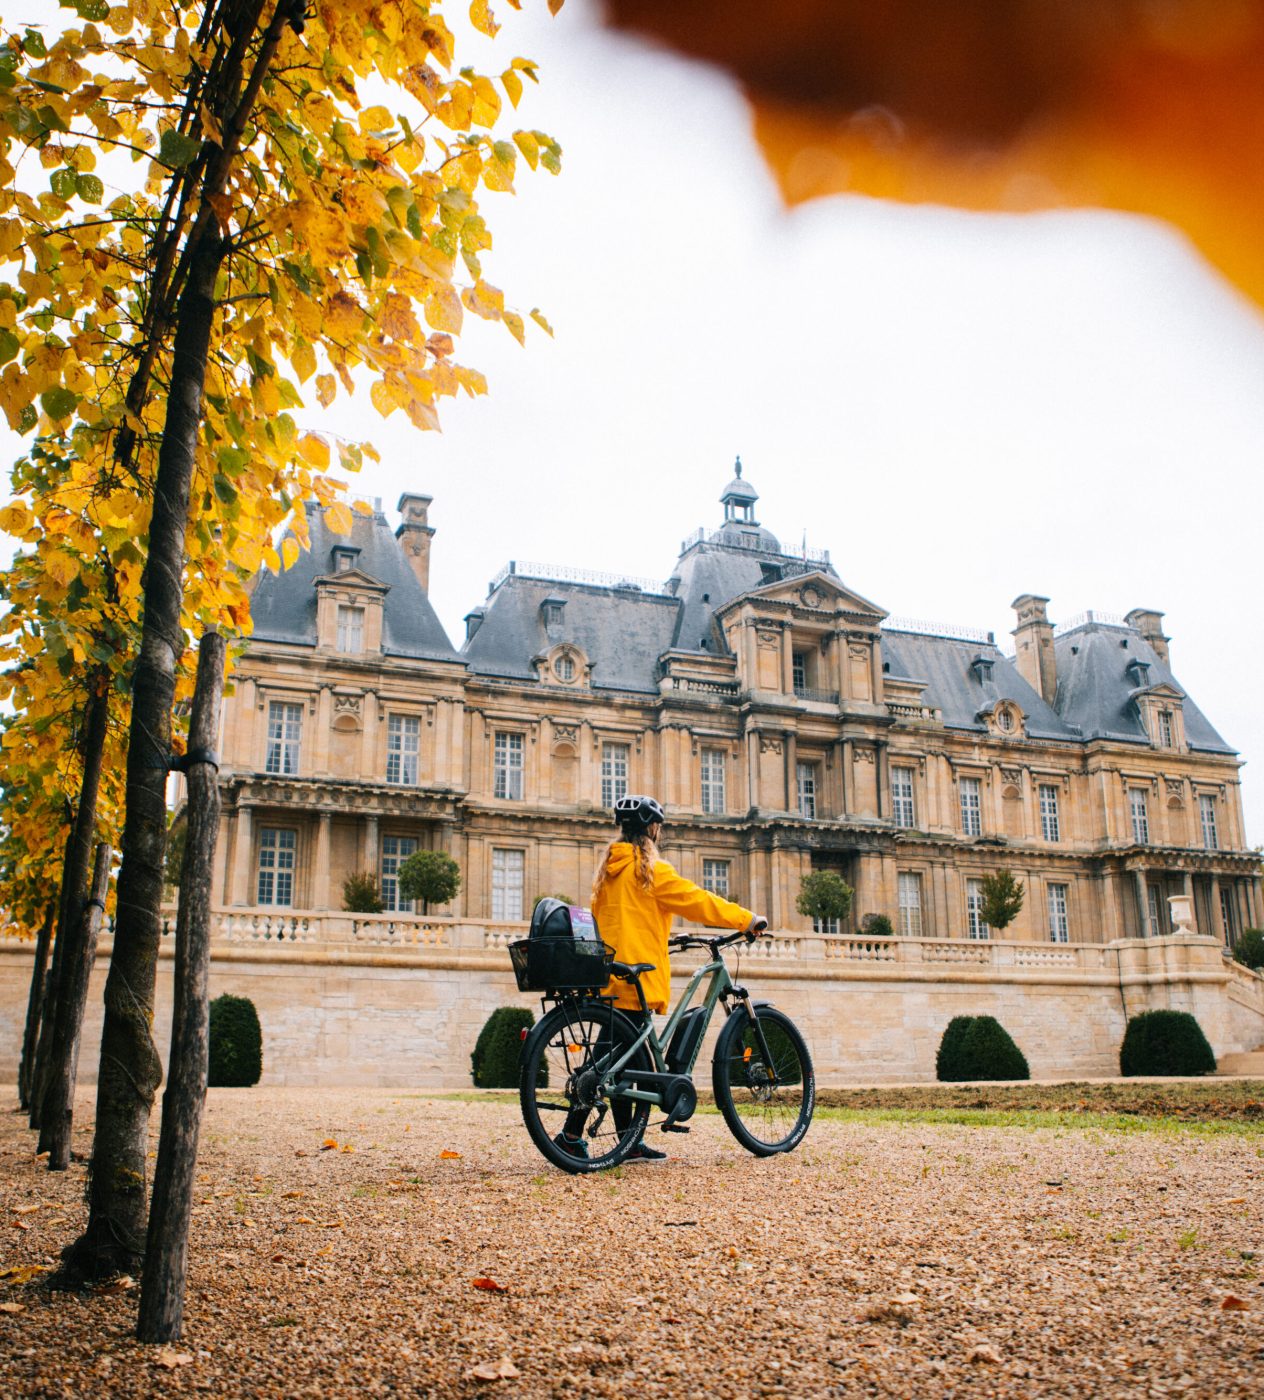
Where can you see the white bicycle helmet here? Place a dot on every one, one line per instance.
(636, 814)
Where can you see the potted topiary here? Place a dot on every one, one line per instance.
(360, 894)
(876, 926)
(430, 876)
(824, 897)
(1002, 899)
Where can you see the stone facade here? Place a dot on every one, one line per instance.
(787, 723)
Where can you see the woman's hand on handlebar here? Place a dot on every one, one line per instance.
(757, 926)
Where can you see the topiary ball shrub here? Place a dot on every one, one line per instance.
(1166, 1043)
(494, 1061)
(876, 926)
(948, 1060)
(978, 1047)
(236, 1044)
(1248, 948)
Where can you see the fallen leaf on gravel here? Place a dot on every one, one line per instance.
(346, 1147)
(305, 1220)
(12, 1307)
(291, 1195)
(329, 1145)
(331, 1224)
(984, 1354)
(328, 1249)
(24, 1210)
(277, 1258)
(120, 1283)
(41, 1156)
(1236, 1201)
(19, 1224)
(503, 1370)
(22, 1273)
(447, 1155)
(171, 1359)
(1234, 1304)
(489, 1285)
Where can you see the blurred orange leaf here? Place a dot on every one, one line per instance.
(448, 1155)
(489, 1285)
(1234, 1304)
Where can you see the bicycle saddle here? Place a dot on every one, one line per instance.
(630, 971)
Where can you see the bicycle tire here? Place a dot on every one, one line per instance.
(558, 1056)
(765, 1118)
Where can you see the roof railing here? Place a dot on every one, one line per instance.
(731, 540)
(1087, 619)
(939, 629)
(563, 573)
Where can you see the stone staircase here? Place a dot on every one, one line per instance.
(1244, 1062)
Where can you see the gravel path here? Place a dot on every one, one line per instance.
(880, 1259)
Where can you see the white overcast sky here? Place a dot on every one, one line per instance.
(960, 408)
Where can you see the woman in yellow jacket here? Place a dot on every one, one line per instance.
(635, 895)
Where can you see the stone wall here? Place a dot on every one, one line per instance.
(398, 1001)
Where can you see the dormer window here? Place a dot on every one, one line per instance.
(551, 610)
(1166, 731)
(564, 667)
(344, 558)
(1140, 673)
(982, 666)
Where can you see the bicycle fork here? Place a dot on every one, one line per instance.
(741, 995)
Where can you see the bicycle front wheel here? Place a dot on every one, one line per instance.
(563, 1058)
(764, 1082)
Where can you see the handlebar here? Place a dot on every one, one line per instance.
(682, 941)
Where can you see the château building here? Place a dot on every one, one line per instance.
(787, 723)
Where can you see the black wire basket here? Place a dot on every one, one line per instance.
(561, 964)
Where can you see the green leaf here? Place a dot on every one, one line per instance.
(59, 403)
(90, 188)
(95, 10)
(224, 489)
(177, 150)
(9, 346)
(33, 43)
(506, 152)
(27, 419)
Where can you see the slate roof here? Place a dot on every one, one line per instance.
(1096, 687)
(621, 631)
(953, 685)
(283, 605)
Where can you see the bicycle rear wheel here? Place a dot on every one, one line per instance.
(767, 1099)
(562, 1061)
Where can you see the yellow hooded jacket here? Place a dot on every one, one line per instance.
(637, 922)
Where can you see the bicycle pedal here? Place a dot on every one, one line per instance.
(672, 1128)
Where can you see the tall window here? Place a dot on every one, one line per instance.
(276, 865)
(713, 780)
(971, 807)
(507, 869)
(1228, 914)
(715, 877)
(1207, 813)
(1049, 826)
(403, 739)
(1165, 728)
(508, 767)
(285, 725)
(807, 789)
(902, 812)
(614, 773)
(910, 888)
(975, 927)
(395, 850)
(1059, 928)
(350, 630)
(1140, 816)
(799, 671)
(1156, 912)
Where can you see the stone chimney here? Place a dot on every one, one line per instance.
(1033, 640)
(1150, 624)
(414, 534)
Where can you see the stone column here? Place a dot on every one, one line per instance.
(882, 775)
(787, 659)
(1143, 905)
(320, 866)
(1187, 889)
(791, 743)
(368, 739)
(321, 722)
(1217, 914)
(243, 856)
(369, 845)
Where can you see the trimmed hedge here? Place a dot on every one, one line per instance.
(1165, 1043)
(978, 1047)
(494, 1061)
(236, 1044)
(1248, 948)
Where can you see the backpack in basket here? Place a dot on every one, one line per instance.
(562, 952)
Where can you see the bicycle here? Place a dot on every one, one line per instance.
(585, 1055)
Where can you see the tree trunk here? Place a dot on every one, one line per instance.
(166, 1249)
(74, 889)
(113, 1241)
(34, 1010)
(58, 1106)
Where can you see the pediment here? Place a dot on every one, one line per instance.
(353, 578)
(813, 592)
(1164, 690)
